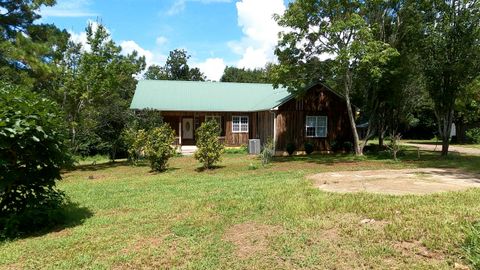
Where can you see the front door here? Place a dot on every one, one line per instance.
(187, 128)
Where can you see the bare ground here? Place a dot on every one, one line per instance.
(250, 238)
(396, 182)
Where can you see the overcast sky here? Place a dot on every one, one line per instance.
(216, 33)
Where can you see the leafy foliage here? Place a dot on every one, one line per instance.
(268, 152)
(450, 53)
(291, 148)
(32, 153)
(308, 148)
(473, 135)
(176, 68)
(210, 148)
(158, 146)
(242, 75)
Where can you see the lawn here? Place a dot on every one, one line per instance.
(244, 216)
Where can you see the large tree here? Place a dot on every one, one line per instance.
(450, 50)
(319, 29)
(176, 68)
(96, 91)
(28, 51)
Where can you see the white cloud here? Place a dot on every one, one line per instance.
(212, 68)
(180, 5)
(69, 8)
(82, 36)
(260, 32)
(161, 40)
(129, 46)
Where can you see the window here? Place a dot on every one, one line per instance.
(216, 118)
(239, 124)
(316, 126)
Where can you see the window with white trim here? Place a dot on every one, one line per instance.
(217, 118)
(316, 126)
(239, 124)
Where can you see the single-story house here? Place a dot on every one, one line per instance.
(249, 111)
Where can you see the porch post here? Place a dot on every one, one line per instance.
(180, 132)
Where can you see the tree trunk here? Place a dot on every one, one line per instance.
(351, 117)
(445, 127)
(381, 135)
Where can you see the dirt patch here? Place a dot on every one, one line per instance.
(145, 243)
(417, 249)
(396, 182)
(250, 238)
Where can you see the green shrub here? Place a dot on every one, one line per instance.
(32, 153)
(291, 148)
(348, 147)
(209, 146)
(472, 245)
(158, 146)
(268, 152)
(308, 148)
(473, 135)
(135, 141)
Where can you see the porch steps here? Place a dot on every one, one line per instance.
(188, 150)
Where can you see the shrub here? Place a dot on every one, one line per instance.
(473, 135)
(268, 152)
(348, 147)
(291, 148)
(210, 148)
(32, 153)
(135, 141)
(472, 245)
(158, 146)
(309, 148)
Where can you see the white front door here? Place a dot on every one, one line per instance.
(187, 128)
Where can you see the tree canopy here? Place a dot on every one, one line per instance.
(176, 68)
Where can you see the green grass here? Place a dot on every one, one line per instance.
(183, 218)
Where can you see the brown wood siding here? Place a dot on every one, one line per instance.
(319, 101)
(230, 138)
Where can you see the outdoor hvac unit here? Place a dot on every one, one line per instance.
(254, 146)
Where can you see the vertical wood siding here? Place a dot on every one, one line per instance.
(318, 101)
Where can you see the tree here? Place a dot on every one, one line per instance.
(155, 72)
(327, 28)
(176, 68)
(32, 154)
(242, 75)
(96, 91)
(29, 52)
(450, 51)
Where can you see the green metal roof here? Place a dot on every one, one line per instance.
(207, 96)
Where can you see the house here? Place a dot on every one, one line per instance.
(249, 111)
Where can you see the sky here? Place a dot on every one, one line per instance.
(216, 33)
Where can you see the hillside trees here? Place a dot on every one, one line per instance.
(320, 29)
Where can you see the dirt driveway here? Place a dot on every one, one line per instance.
(452, 148)
(396, 182)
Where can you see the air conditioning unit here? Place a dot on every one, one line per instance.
(254, 146)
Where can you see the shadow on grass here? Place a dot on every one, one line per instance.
(203, 169)
(106, 165)
(34, 225)
(411, 157)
